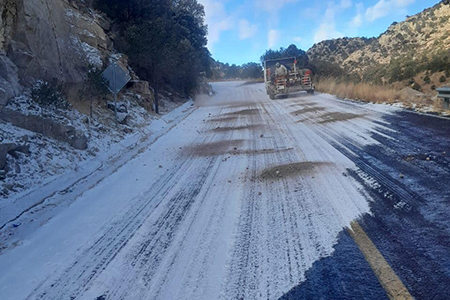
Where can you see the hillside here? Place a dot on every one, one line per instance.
(337, 50)
(413, 52)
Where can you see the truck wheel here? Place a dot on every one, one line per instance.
(272, 96)
(311, 92)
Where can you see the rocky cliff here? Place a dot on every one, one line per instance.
(46, 39)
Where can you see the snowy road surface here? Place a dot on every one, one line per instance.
(248, 198)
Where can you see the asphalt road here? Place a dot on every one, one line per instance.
(304, 197)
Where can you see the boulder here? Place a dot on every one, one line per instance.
(410, 93)
(122, 118)
(145, 95)
(140, 87)
(121, 107)
(122, 111)
(25, 149)
(46, 126)
(3, 152)
(5, 148)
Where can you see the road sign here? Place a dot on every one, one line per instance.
(117, 77)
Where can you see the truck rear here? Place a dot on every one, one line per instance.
(282, 76)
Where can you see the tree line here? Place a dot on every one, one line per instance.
(221, 70)
(291, 51)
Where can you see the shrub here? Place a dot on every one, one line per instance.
(49, 94)
(95, 83)
(427, 79)
(433, 87)
(442, 79)
(417, 87)
(95, 87)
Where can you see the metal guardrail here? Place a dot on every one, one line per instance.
(444, 93)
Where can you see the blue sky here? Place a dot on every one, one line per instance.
(241, 30)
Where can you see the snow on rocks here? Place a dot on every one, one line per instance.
(93, 55)
(42, 158)
(56, 140)
(56, 124)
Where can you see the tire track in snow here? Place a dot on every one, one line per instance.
(192, 235)
(283, 232)
(94, 260)
(405, 227)
(155, 276)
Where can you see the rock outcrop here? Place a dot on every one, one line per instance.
(46, 39)
(46, 126)
(4, 149)
(11, 148)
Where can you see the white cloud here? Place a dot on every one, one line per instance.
(297, 39)
(246, 29)
(384, 7)
(272, 8)
(357, 20)
(327, 29)
(379, 10)
(273, 38)
(217, 20)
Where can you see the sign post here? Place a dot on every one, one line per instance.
(116, 78)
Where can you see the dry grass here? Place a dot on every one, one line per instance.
(359, 91)
(381, 94)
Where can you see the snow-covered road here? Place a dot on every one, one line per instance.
(240, 200)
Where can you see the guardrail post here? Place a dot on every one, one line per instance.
(444, 93)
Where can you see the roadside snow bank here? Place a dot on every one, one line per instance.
(73, 172)
(56, 139)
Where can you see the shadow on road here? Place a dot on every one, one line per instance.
(294, 95)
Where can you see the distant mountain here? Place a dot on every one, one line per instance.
(415, 51)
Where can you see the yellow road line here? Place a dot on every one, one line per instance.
(391, 283)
